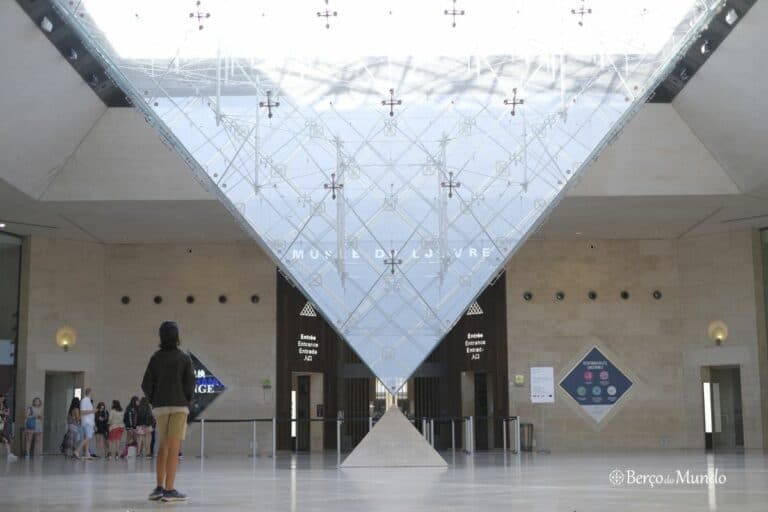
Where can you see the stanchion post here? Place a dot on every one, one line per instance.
(453, 436)
(504, 433)
(370, 423)
(338, 441)
(432, 431)
(254, 439)
(471, 434)
(202, 438)
(274, 438)
(517, 434)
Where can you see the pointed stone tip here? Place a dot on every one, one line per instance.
(394, 443)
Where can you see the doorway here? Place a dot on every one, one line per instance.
(306, 409)
(60, 388)
(723, 415)
(302, 413)
(477, 401)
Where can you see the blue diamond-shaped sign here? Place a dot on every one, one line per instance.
(596, 384)
(389, 162)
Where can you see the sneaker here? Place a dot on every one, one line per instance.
(173, 495)
(156, 494)
(12, 457)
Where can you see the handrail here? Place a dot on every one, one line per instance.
(346, 418)
(428, 429)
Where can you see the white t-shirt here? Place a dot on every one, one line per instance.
(87, 405)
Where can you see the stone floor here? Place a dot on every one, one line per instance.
(487, 481)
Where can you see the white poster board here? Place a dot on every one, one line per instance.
(542, 385)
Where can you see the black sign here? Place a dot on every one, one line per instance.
(207, 388)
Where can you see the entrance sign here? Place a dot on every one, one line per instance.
(596, 384)
(474, 344)
(307, 346)
(207, 387)
(542, 385)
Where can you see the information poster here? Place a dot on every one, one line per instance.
(596, 384)
(207, 387)
(542, 385)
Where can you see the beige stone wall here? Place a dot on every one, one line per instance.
(663, 343)
(81, 284)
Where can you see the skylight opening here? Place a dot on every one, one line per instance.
(148, 29)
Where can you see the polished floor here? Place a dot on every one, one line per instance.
(486, 481)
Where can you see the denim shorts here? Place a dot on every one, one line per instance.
(86, 431)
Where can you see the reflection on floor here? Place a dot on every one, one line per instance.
(487, 481)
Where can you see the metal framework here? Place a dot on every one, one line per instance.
(392, 220)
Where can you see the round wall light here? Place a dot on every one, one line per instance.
(592, 295)
(656, 294)
(125, 300)
(66, 337)
(190, 299)
(527, 296)
(718, 331)
(158, 299)
(624, 294)
(222, 299)
(559, 296)
(255, 299)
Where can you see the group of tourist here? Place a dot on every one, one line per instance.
(114, 431)
(110, 433)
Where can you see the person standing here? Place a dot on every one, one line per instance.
(129, 420)
(5, 439)
(116, 429)
(144, 423)
(33, 428)
(169, 384)
(72, 437)
(87, 424)
(102, 428)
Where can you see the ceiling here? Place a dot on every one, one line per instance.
(79, 170)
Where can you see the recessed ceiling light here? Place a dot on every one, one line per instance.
(731, 17)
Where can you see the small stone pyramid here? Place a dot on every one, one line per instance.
(394, 442)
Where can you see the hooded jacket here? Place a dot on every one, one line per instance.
(169, 380)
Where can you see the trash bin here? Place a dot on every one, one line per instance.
(526, 437)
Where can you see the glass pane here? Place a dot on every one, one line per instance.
(389, 156)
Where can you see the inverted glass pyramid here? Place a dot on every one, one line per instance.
(390, 156)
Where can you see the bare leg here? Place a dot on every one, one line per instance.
(28, 435)
(162, 457)
(38, 443)
(81, 448)
(171, 461)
